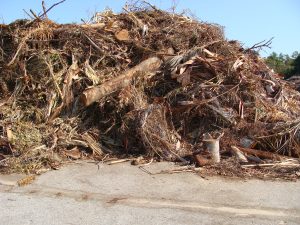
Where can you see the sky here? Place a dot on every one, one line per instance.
(248, 21)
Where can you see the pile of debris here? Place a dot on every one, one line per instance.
(295, 81)
(143, 82)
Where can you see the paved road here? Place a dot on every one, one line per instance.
(124, 194)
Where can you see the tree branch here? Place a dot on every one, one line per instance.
(55, 4)
(44, 9)
(260, 45)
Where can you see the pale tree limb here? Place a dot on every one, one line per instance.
(93, 94)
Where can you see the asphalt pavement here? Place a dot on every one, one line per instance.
(84, 193)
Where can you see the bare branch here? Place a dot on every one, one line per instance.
(33, 13)
(152, 6)
(55, 4)
(28, 14)
(260, 45)
(44, 9)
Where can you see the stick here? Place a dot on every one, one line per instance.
(275, 164)
(28, 14)
(93, 25)
(55, 4)
(56, 85)
(261, 154)
(44, 9)
(260, 45)
(22, 43)
(152, 6)
(33, 13)
(118, 161)
(93, 94)
(94, 44)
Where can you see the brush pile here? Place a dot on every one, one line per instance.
(143, 82)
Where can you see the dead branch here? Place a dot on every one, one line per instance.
(152, 6)
(93, 43)
(23, 42)
(260, 45)
(289, 163)
(261, 154)
(93, 94)
(28, 14)
(35, 16)
(44, 9)
(51, 7)
(93, 25)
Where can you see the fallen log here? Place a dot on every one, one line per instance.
(93, 94)
(262, 154)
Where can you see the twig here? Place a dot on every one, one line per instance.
(93, 43)
(33, 13)
(174, 170)
(28, 14)
(200, 102)
(55, 4)
(44, 9)
(137, 20)
(147, 164)
(285, 164)
(180, 170)
(152, 6)
(23, 42)
(260, 45)
(54, 79)
(118, 161)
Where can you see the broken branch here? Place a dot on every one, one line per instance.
(55, 4)
(261, 154)
(95, 93)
